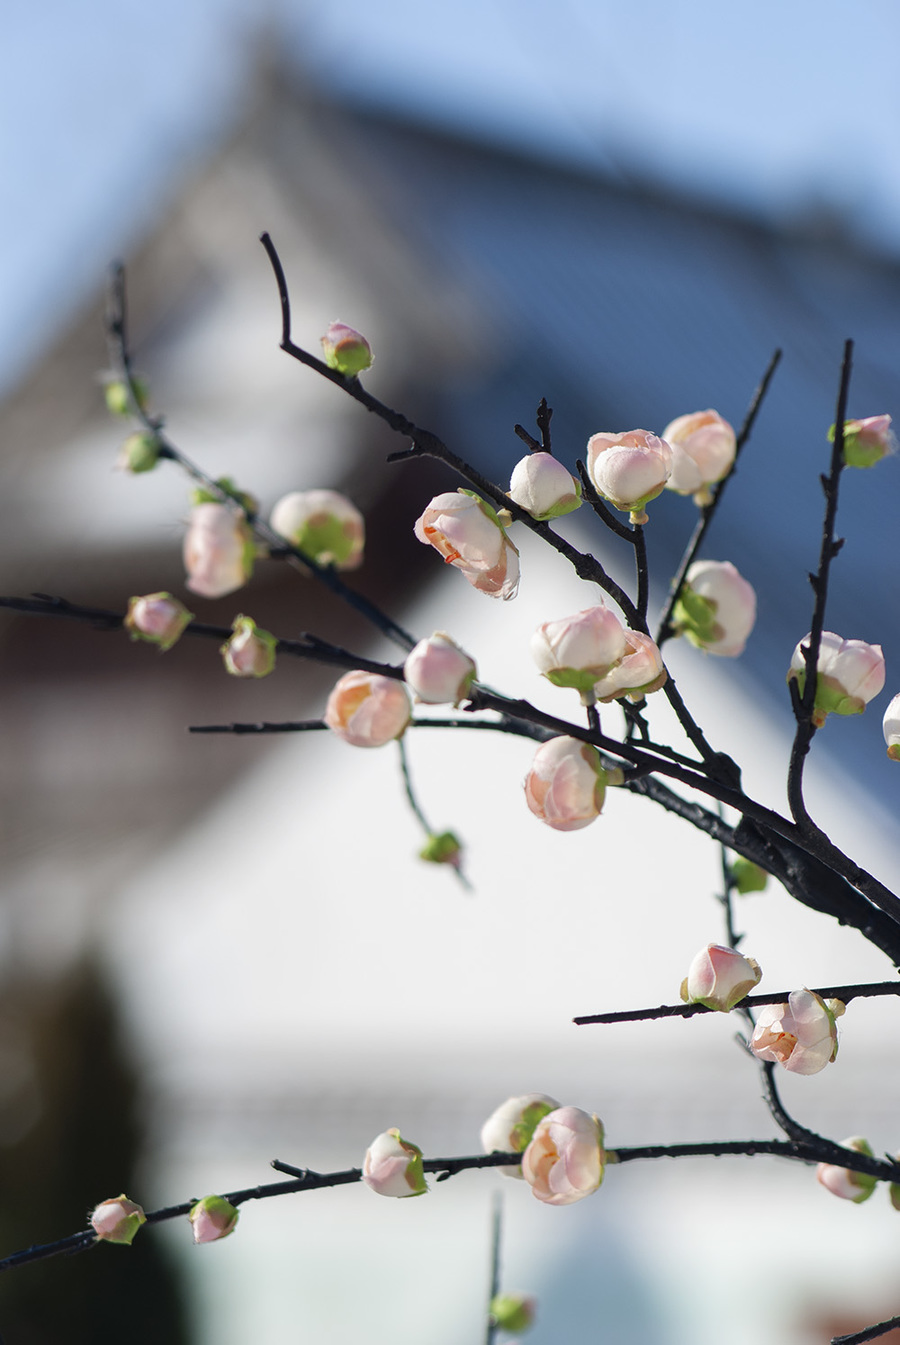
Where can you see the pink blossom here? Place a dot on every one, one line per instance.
(566, 784)
(541, 485)
(212, 1219)
(326, 526)
(158, 618)
(250, 652)
(218, 550)
(629, 469)
(564, 1161)
(801, 1035)
(438, 671)
(393, 1167)
(367, 709)
(471, 536)
(844, 1182)
(509, 1129)
(891, 728)
(639, 673)
(345, 350)
(117, 1220)
(849, 673)
(703, 447)
(719, 978)
(577, 651)
(867, 441)
(716, 610)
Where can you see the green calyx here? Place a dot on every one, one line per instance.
(140, 452)
(521, 1133)
(202, 495)
(442, 848)
(694, 617)
(747, 876)
(512, 1312)
(327, 540)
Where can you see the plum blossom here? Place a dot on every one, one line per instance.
(866, 441)
(564, 1161)
(509, 1129)
(629, 469)
(438, 671)
(471, 536)
(157, 618)
(566, 784)
(800, 1035)
(719, 978)
(891, 726)
(849, 673)
(703, 448)
(346, 350)
(638, 673)
(542, 485)
(577, 651)
(218, 550)
(212, 1219)
(117, 1220)
(324, 525)
(250, 652)
(844, 1182)
(367, 709)
(393, 1167)
(716, 609)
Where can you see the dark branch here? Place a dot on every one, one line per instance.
(842, 992)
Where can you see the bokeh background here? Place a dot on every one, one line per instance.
(216, 950)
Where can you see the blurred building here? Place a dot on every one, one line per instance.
(293, 980)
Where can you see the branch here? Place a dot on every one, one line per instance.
(842, 992)
(280, 547)
(803, 705)
(870, 1333)
(707, 512)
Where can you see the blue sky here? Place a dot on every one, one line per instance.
(777, 106)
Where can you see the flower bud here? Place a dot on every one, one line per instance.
(471, 536)
(345, 350)
(513, 1313)
(139, 453)
(117, 1220)
(866, 441)
(801, 1035)
(720, 978)
(510, 1128)
(218, 550)
(438, 671)
(716, 609)
(564, 1161)
(393, 1167)
(158, 618)
(324, 525)
(367, 709)
(442, 848)
(577, 651)
(703, 448)
(541, 485)
(250, 652)
(849, 673)
(241, 498)
(638, 674)
(629, 469)
(747, 876)
(891, 726)
(844, 1182)
(566, 784)
(118, 396)
(213, 1218)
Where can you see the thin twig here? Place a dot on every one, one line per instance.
(842, 992)
(494, 1288)
(869, 1333)
(707, 512)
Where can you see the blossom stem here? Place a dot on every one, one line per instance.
(842, 992)
(708, 511)
(869, 1333)
(496, 1241)
(279, 548)
(829, 548)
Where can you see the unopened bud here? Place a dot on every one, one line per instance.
(512, 1312)
(346, 350)
(118, 396)
(213, 1218)
(139, 453)
(442, 848)
(845, 1183)
(849, 673)
(716, 609)
(891, 727)
(367, 709)
(866, 441)
(393, 1167)
(250, 652)
(510, 1128)
(438, 671)
(747, 876)
(325, 525)
(720, 978)
(541, 485)
(157, 618)
(117, 1220)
